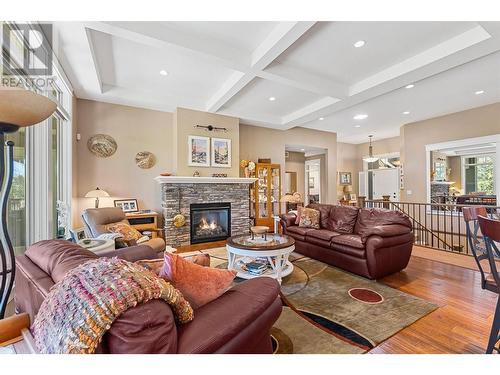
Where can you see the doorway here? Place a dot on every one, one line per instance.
(313, 181)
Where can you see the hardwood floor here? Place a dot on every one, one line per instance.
(462, 322)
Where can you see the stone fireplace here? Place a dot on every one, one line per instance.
(214, 207)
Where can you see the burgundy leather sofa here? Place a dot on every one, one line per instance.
(371, 242)
(237, 322)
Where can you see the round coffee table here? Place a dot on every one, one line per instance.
(274, 249)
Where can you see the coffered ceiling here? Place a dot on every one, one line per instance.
(287, 74)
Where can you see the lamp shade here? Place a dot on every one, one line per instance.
(22, 108)
(97, 193)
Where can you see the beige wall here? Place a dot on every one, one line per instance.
(185, 120)
(455, 165)
(472, 123)
(348, 160)
(258, 142)
(295, 162)
(134, 130)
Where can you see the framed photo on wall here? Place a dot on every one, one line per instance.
(345, 178)
(198, 151)
(221, 153)
(127, 205)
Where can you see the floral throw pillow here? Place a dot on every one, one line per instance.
(127, 232)
(309, 218)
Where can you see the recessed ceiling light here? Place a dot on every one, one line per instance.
(360, 117)
(410, 86)
(479, 92)
(272, 98)
(357, 126)
(359, 43)
(406, 112)
(321, 118)
(163, 72)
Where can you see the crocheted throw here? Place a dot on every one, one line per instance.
(81, 308)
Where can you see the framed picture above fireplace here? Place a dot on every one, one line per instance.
(221, 152)
(198, 151)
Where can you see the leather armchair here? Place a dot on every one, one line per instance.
(96, 219)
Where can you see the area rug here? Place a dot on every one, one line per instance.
(328, 310)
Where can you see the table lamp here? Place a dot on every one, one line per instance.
(97, 193)
(18, 108)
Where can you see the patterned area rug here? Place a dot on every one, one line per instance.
(327, 310)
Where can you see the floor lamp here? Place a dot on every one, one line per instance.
(18, 108)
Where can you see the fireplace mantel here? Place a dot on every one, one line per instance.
(203, 180)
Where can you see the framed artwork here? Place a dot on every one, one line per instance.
(221, 153)
(311, 182)
(127, 205)
(198, 151)
(345, 178)
(77, 234)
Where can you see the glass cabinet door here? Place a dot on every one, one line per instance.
(262, 192)
(275, 190)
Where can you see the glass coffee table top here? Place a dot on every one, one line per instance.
(270, 241)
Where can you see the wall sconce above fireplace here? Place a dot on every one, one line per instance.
(211, 128)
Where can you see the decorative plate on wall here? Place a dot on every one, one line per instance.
(145, 159)
(102, 145)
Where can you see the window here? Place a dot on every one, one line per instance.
(384, 163)
(479, 174)
(16, 206)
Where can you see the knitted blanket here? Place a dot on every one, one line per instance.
(81, 308)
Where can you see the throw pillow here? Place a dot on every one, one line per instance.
(128, 233)
(199, 285)
(309, 218)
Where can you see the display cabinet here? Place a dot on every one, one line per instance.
(265, 194)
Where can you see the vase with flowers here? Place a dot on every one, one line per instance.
(244, 165)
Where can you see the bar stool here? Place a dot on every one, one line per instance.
(491, 233)
(477, 245)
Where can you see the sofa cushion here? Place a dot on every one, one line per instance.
(298, 233)
(352, 240)
(220, 322)
(342, 219)
(322, 234)
(56, 257)
(348, 250)
(372, 217)
(324, 213)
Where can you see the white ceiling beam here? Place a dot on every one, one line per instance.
(311, 108)
(302, 80)
(91, 43)
(278, 40)
(160, 36)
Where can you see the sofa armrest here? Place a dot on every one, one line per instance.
(222, 325)
(386, 231)
(287, 220)
(132, 253)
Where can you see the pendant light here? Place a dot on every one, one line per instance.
(370, 158)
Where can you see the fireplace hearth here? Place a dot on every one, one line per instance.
(210, 222)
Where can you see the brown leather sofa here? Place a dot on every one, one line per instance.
(237, 322)
(371, 242)
(96, 219)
